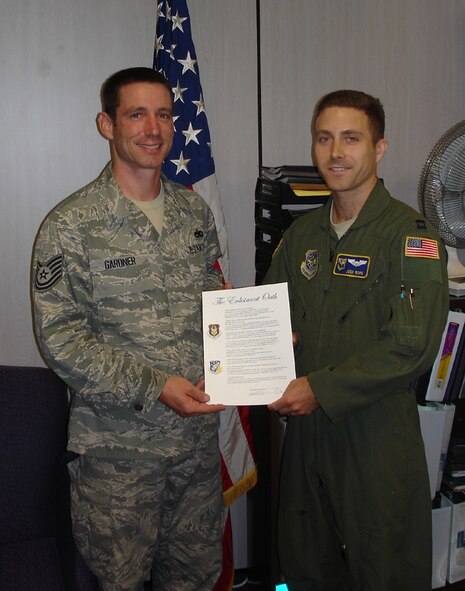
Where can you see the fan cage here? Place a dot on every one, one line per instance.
(441, 188)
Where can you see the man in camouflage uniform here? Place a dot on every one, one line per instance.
(119, 268)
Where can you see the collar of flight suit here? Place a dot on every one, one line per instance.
(374, 207)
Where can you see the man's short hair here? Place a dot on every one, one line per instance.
(354, 99)
(109, 93)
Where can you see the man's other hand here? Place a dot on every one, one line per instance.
(298, 399)
(186, 399)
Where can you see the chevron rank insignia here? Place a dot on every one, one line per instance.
(48, 274)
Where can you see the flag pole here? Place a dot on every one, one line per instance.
(259, 86)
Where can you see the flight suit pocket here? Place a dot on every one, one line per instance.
(408, 324)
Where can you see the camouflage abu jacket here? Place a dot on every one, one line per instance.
(117, 310)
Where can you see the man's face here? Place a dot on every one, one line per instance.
(344, 151)
(142, 132)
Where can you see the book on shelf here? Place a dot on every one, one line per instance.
(283, 194)
(457, 286)
(307, 175)
(445, 363)
(455, 484)
(457, 374)
(454, 469)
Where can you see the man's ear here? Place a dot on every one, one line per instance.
(381, 149)
(105, 125)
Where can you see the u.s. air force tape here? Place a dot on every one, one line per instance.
(48, 274)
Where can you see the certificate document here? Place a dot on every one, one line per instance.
(248, 351)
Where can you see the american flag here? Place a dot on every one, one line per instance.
(421, 247)
(190, 161)
(191, 164)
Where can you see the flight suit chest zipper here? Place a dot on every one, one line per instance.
(359, 300)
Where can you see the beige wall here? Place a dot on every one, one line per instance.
(54, 55)
(410, 54)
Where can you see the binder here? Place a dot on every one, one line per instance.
(444, 362)
(282, 194)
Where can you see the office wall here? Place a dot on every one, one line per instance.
(409, 54)
(55, 53)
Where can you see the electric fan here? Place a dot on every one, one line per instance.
(441, 197)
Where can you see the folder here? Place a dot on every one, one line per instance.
(444, 362)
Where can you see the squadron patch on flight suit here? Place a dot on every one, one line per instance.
(48, 274)
(352, 265)
(309, 267)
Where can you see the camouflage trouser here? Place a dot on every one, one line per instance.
(132, 515)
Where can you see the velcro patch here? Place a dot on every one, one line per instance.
(425, 248)
(351, 265)
(309, 267)
(48, 274)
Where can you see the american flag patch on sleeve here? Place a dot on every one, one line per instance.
(425, 248)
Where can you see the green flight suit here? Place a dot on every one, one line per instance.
(355, 508)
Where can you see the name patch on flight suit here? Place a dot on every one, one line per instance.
(352, 265)
(309, 266)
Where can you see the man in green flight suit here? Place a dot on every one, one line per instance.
(369, 298)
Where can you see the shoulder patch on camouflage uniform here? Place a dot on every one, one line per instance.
(48, 274)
